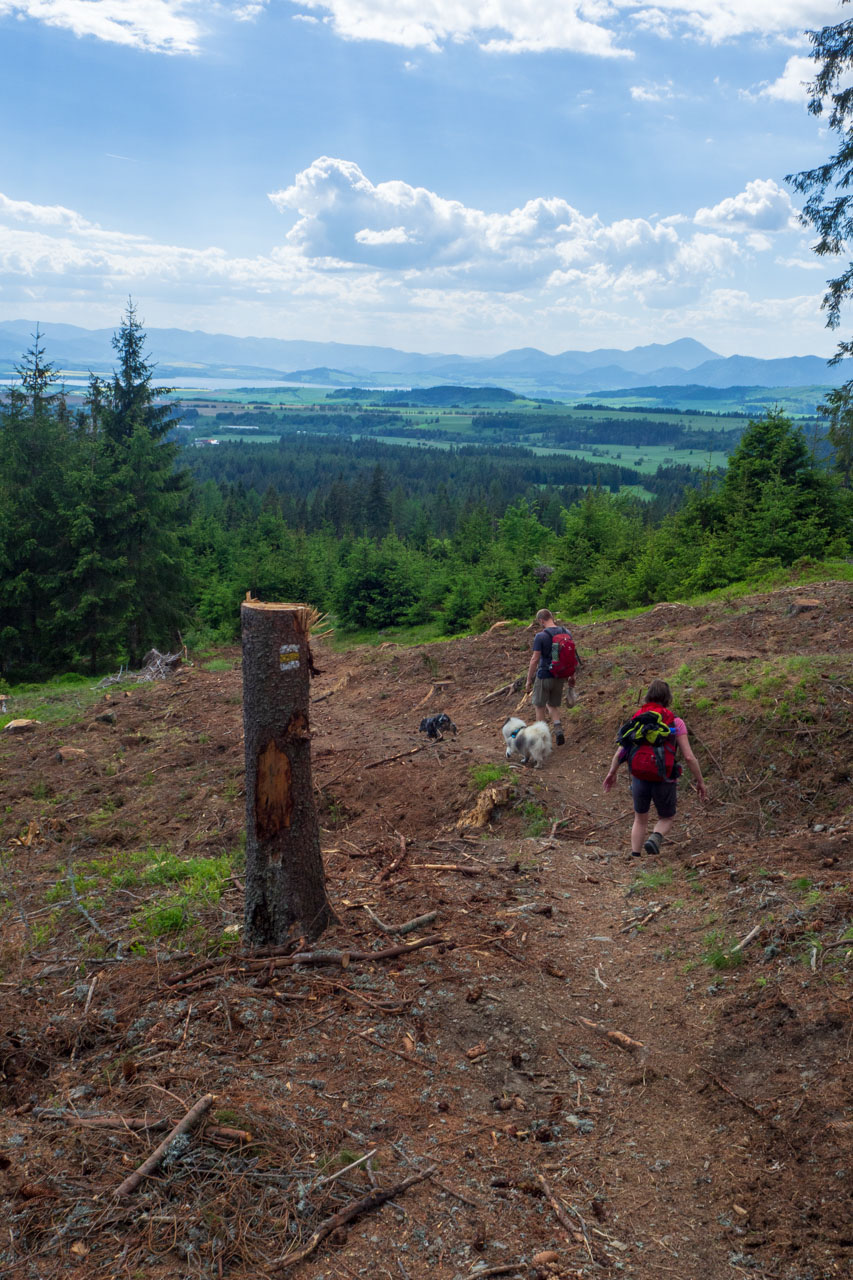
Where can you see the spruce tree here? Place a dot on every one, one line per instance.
(774, 501)
(149, 496)
(829, 206)
(35, 494)
(94, 597)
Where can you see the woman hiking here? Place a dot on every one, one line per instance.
(651, 739)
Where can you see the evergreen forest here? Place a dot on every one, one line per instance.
(116, 536)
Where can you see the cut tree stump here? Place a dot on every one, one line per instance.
(285, 883)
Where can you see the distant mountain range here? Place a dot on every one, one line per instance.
(179, 353)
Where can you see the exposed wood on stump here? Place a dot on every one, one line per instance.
(285, 884)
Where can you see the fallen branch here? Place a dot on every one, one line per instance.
(563, 1220)
(435, 688)
(408, 927)
(636, 924)
(398, 1053)
(91, 992)
(273, 959)
(512, 687)
(559, 1211)
(446, 866)
(192, 1117)
(502, 1269)
(133, 1124)
(602, 826)
(725, 1088)
(392, 866)
(85, 914)
(350, 1211)
(348, 1168)
(451, 1191)
(618, 1038)
(744, 942)
(346, 957)
(399, 756)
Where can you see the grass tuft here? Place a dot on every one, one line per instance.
(484, 775)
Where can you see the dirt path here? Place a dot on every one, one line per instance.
(722, 1147)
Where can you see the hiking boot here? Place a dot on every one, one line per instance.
(636, 853)
(653, 843)
(561, 738)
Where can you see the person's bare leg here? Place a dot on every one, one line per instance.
(638, 831)
(655, 840)
(556, 724)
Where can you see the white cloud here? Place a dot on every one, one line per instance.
(805, 264)
(499, 26)
(718, 20)
(161, 26)
(792, 85)
(762, 206)
(409, 266)
(345, 223)
(393, 235)
(652, 92)
(597, 27)
(249, 11)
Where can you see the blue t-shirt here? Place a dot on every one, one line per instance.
(542, 644)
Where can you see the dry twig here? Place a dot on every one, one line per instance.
(350, 1211)
(192, 1117)
(619, 1038)
(400, 754)
(408, 927)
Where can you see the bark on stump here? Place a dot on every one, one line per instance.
(285, 883)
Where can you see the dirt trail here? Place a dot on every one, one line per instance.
(721, 1147)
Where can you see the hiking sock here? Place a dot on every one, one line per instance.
(558, 730)
(653, 843)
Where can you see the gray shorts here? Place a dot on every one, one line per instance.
(662, 794)
(549, 692)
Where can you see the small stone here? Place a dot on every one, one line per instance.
(64, 754)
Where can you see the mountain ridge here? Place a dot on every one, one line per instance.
(194, 353)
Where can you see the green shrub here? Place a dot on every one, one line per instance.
(718, 952)
(484, 775)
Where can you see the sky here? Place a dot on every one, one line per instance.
(433, 175)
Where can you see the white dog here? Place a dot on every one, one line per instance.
(531, 742)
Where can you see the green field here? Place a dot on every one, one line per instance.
(647, 436)
(645, 458)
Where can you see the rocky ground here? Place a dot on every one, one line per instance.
(578, 1073)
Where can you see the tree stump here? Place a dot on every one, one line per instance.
(285, 883)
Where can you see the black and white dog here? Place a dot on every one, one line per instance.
(532, 742)
(436, 726)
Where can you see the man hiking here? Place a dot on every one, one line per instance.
(552, 671)
(649, 741)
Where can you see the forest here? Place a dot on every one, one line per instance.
(116, 536)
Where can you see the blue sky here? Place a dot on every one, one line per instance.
(428, 174)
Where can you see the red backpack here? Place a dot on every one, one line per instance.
(649, 738)
(564, 656)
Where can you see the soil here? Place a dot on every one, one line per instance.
(579, 1069)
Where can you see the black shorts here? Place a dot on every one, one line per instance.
(662, 794)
